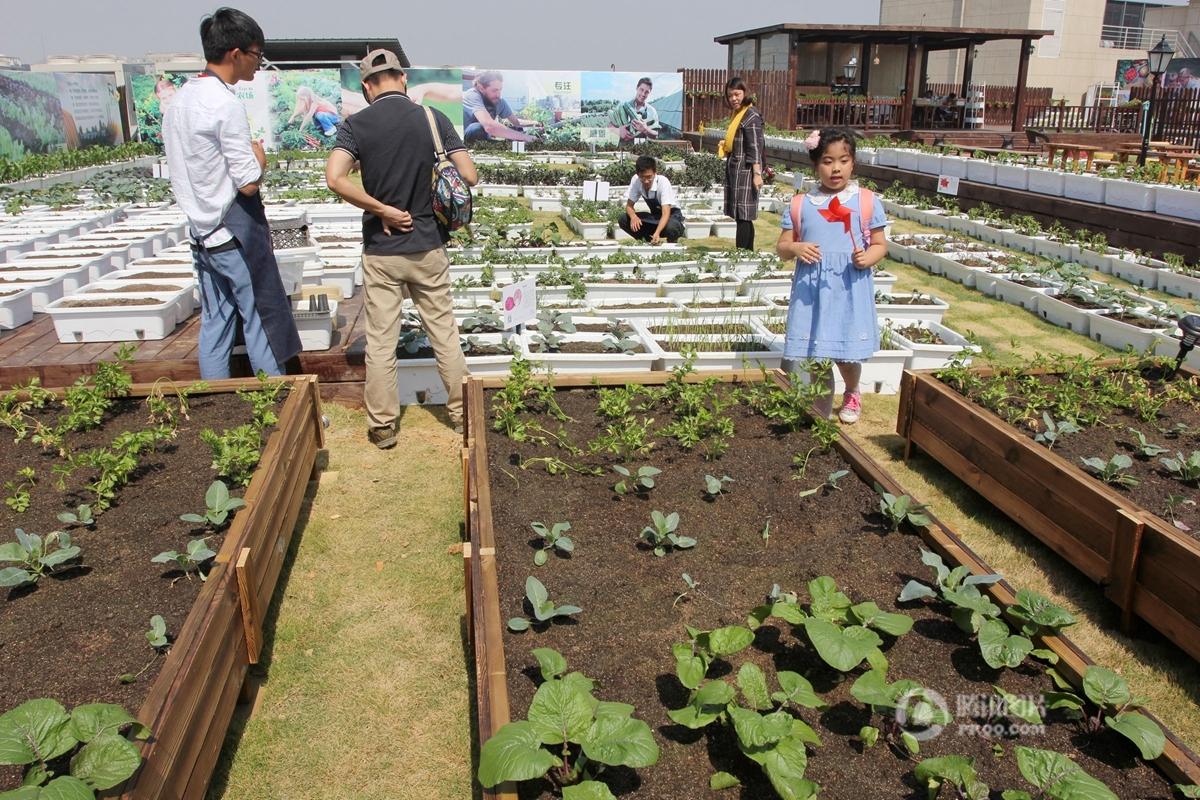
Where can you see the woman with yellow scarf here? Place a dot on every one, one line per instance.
(744, 150)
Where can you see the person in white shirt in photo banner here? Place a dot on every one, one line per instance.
(216, 170)
(664, 219)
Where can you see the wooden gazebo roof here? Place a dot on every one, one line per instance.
(930, 37)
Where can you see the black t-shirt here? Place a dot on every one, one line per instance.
(391, 141)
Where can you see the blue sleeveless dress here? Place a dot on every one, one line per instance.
(832, 309)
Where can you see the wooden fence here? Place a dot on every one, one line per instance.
(1176, 116)
(704, 95)
(998, 101)
(871, 113)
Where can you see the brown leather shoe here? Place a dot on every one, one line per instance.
(383, 438)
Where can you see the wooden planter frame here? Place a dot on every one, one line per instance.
(192, 700)
(486, 627)
(1148, 567)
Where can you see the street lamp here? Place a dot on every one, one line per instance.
(1159, 56)
(849, 72)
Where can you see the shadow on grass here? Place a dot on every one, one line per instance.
(258, 675)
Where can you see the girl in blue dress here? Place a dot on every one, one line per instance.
(832, 310)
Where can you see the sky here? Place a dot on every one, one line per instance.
(649, 35)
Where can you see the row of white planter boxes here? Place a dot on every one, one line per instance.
(35, 229)
(1143, 271)
(695, 227)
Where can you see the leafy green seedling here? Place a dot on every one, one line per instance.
(1173, 504)
(621, 344)
(714, 487)
(553, 538)
(831, 483)
(898, 510)
(1186, 469)
(18, 499)
(1038, 615)
(1115, 708)
(189, 560)
(1147, 448)
(81, 517)
(219, 505)
(901, 705)
(958, 772)
(641, 482)
(34, 556)
(544, 609)
(1053, 431)
(1113, 470)
(1057, 777)
(661, 533)
(580, 730)
(157, 635)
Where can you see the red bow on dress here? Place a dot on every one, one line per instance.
(838, 212)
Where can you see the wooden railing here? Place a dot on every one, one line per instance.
(704, 91)
(871, 113)
(1176, 116)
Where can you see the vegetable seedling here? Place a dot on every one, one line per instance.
(219, 505)
(553, 538)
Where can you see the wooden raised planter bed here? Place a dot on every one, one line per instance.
(1147, 567)
(192, 700)
(486, 625)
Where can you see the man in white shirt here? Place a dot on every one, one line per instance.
(664, 219)
(216, 171)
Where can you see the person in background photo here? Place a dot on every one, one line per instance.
(164, 90)
(216, 171)
(744, 150)
(636, 119)
(664, 220)
(404, 247)
(317, 110)
(485, 112)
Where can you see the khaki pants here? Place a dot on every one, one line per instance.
(426, 276)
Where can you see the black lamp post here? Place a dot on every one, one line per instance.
(849, 72)
(1159, 57)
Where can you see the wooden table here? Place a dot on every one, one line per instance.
(1071, 150)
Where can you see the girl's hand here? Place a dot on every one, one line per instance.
(807, 252)
(860, 259)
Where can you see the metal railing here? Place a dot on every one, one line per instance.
(1125, 38)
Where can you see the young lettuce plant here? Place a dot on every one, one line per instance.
(190, 560)
(81, 517)
(1112, 471)
(714, 487)
(553, 538)
(958, 772)
(640, 482)
(18, 499)
(1039, 616)
(900, 705)
(661, 534)
(830, 484)
(898, 510)
(219, 504)
(581, 731)
(544, 609)
(1056, 778)
(1184, 468)
(1145, 447)
(34, 556)
(1115, 708)
(767, 732)
(1054, 431)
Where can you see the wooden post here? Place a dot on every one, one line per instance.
(864, 69)
(1123, 564)
(968, 70)
(251, 616)
(793, 68)
(1018, 121)
(910, 85)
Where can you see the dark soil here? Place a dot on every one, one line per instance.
(702, 280)
(1079, 302)
(8, 292)
(72, 634)
(976, 263)
(1148, 323)
(624, 634)
(720, 304)
(636, 305)
(585, 347)
(404, 355)
(905, 300)
(600, 328)
(777, 327)
(141, 276)
(915, 333)
(487, 350)
(110, 301)
(610, 281)
(139, 287)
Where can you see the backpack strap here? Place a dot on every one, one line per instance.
(795, 211)
(438, 149)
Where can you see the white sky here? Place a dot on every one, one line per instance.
(649, 35)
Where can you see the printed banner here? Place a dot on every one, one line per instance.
(521, 105)
(1182, 73)
(635, 106)
(31, 114)
(305, 108)
(152, 94)
(91, 109)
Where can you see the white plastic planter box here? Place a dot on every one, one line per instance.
(1167, 346)
(126, 323)
(621, 292)
(1173, 201)
(1012, 176)
(909, 160)
(685, 292)
(1098, 261)
(472, 296)
(293, 263)
(887, 157)
(592, 363)
(1055, 251)
(16, 306)
(42, 291)
(1136, 273)
(724, 228)
(933, 356)
(1018, 294)
(1065, 315)
(780, 286)
(545, 203)
(697, 228)
(497, 190)
(1088, 188)
(590, 231)
(963, 224)
(98, 265)
(651, 310)
(341, 276)
(183, 292)
(932, 310)
(1179, 285)
(980, 170)
(1121, 335)
(767, 353)
(1045, 181)
(992, 234)
(954, 166)
(71, 277)
(883, 281)
(960, 273)
(740, 310)
(1130, 195)
(929, 163)
(315, 327)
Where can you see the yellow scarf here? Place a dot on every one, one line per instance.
(725, 147)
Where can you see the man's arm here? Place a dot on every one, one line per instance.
(337, 178)
(244, 160)
(461, 160)
(662, 221)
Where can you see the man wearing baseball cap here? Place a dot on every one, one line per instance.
(403, 245)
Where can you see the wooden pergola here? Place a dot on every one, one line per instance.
(919, 41)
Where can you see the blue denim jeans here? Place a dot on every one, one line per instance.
(225, 295)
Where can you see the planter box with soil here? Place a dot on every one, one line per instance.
(1021, 290)
(90, 318)
(1180, 284)
(1130, 329)
(709, 288)
(1088, 188)
(1134, 271)
(16, 305)
(1149, 567)
(914, 307)
(1130, 195)
(99, 616)
(718, 345)
(627, 631)
(586, 353)
(1073, 311)
(932, 345)
(1175, 201)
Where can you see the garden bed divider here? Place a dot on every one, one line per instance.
(1148, 568)
(485, 627)
(192, 700)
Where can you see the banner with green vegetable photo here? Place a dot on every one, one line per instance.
(31, 114)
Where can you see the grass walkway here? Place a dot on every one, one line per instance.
(366, 684)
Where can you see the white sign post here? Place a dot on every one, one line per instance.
(947, 184)
(518, 302)
(595, 191)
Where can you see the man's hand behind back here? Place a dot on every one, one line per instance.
(395, 220)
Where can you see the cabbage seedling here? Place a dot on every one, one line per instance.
(219, 505)
(34, 556)
(553, 538)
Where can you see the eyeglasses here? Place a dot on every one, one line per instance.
(258, 54)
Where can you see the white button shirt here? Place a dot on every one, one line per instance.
(206, 136)
(660, 190)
